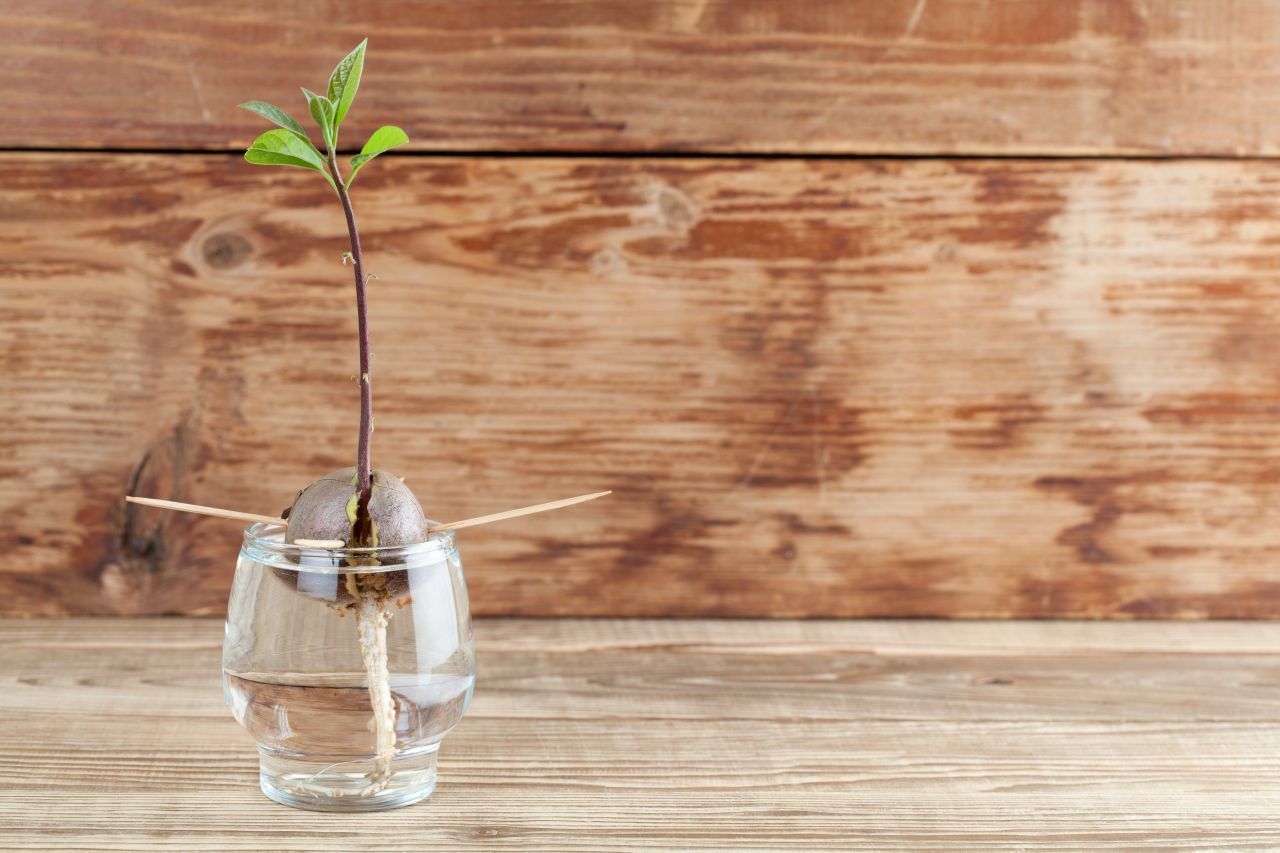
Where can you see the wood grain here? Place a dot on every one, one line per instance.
(890, 388)
(630, 735)
(960, 76)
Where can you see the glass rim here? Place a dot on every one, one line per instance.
(269, 536)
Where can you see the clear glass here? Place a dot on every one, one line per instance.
(348, 666)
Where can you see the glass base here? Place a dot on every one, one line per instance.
(323, 784)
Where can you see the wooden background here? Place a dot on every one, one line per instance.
(1025, 365)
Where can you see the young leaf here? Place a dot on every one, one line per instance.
(322, 112)
(343, 83)
(282, 148)
(275, 115)
(383, 139)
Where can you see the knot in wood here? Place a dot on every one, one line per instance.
(223, 251)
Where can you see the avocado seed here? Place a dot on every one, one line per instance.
(326, 509)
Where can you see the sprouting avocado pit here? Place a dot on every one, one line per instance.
(326, 510)
(358, 506)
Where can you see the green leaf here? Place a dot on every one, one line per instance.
(283, 148)
(322, 112)
(343, 83)
(383, 139)
(275, 115)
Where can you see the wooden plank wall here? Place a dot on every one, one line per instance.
(974, 379)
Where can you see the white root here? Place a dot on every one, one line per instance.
(372, 616)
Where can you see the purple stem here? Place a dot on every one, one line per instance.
(364, 472)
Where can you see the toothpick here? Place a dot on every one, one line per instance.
(435, 528)
(206, 510)
(327, 544)
(516, 513)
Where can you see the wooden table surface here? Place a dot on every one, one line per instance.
(672, 735)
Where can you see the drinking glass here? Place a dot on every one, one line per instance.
(348, 666)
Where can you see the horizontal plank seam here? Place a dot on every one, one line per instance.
(693, 154)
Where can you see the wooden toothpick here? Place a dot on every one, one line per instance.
(435, 528)
(516, 513)
(206, 510)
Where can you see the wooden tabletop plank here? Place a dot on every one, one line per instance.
(679, 735)
(827, 388)
(963, 76)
